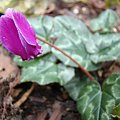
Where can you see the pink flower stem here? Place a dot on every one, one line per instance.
(60, 50)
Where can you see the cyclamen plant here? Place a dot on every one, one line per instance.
(17, 35)
(94, 100)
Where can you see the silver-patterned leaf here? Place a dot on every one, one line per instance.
(105, 21)
(76, 40)
(96, 103)
(44, 70)
(93, 101)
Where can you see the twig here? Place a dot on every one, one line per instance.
(24, 97)
(60, 50)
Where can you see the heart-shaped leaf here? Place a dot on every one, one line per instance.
(44, 71)
(76, 40)
(93, 101)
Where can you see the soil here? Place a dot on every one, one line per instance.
(50, 102)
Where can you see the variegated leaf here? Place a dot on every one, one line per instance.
(93, 101)
(44, 71)
(105, 21)
(75, 39)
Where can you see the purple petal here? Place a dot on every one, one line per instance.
(31, 50)
(22, 25)
(17, 35)
(10, 38)
(8, 12)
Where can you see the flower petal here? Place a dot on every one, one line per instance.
(31, 50)
(22, 25)
(10, 38)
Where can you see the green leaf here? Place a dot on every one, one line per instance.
(80, 44)
(93, 101)
(43, 25)
(76, 40)
(105, 21)
(60, 27)
(74, 47)
(35, 61)
(71, 38)
(75, 85)
(104, 47)
(66, 23)
(88, 51)
(44, 71)
(116, 111)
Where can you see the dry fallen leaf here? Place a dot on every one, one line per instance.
(7, 67)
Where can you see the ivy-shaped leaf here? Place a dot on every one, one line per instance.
(104, 47)
(70, 38)
(105, 21)
(84, 47)
(93, 101)
(75, 39)
(44, 71)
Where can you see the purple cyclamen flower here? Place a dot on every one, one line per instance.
(17, 35)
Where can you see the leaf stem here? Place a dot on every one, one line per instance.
(73, 60)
